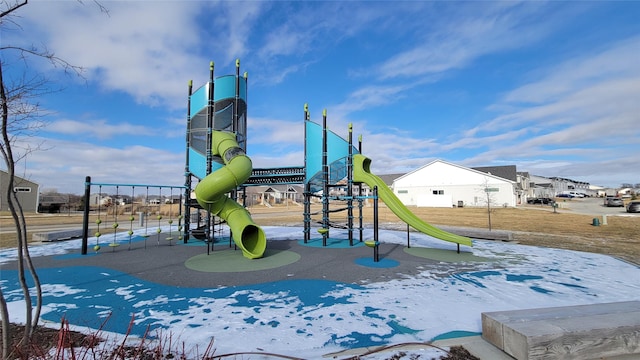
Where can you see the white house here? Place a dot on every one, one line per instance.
(442, 184)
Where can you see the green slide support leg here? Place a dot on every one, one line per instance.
(361, 173)
(211, 194)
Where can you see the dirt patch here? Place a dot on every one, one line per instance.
(44, 339)
(47, 340)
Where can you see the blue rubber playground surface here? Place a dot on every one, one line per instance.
(305, 299)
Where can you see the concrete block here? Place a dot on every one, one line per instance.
(569, 332)
(57, 235)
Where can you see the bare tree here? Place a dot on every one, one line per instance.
(490, 197)
(21, 116)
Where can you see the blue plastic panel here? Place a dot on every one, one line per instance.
(337, 153)
(199, 99)
(313, 149)
(198, 164)
(224, 88)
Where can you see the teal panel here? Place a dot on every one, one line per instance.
(225, 88)
(198, 164)
(199, 99)
(243, 89)
(337, 147)
(216, 165)
(313, 154)
(338, 170)
(337, 153)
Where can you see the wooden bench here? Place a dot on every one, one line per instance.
(57, 235)
(569, 332)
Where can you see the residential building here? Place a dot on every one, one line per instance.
(270, 195)
(27, 192)
(443, 184)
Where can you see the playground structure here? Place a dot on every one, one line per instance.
(216, 144)
(222, 167)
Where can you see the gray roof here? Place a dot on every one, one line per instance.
(506, 172)
(53, 199)
(389, 178)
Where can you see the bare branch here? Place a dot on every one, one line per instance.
(21, 115)
(12, 9)
(46, 54)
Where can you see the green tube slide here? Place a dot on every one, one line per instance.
(211, 194)
(361, 173)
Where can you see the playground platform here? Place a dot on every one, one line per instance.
(310, 291)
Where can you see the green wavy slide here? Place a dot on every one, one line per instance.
(211, 194)
(361, 173)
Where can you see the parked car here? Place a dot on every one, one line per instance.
(571, 194)
(633, 207)
(615, 202)
(545, 201)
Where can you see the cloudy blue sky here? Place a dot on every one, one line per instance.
(551, 87)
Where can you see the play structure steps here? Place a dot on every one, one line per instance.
(595, 331)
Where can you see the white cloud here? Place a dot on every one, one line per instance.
(99, 129)
(145, 50)
(234, 19)
(149, 50)
(583, 109)
(276, 133)
(132, 164)
(615, 62)
(462, 37)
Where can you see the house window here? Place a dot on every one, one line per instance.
(438, 192)
(21, 189)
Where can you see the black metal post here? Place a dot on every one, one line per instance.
(375, 222)
(360, 200)
(408, 238)
(350, 186)
(209, 144)
(307, 212)
(85, 219)
(187, 172)
(307, 186)
(210, 112)
(325, 181)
